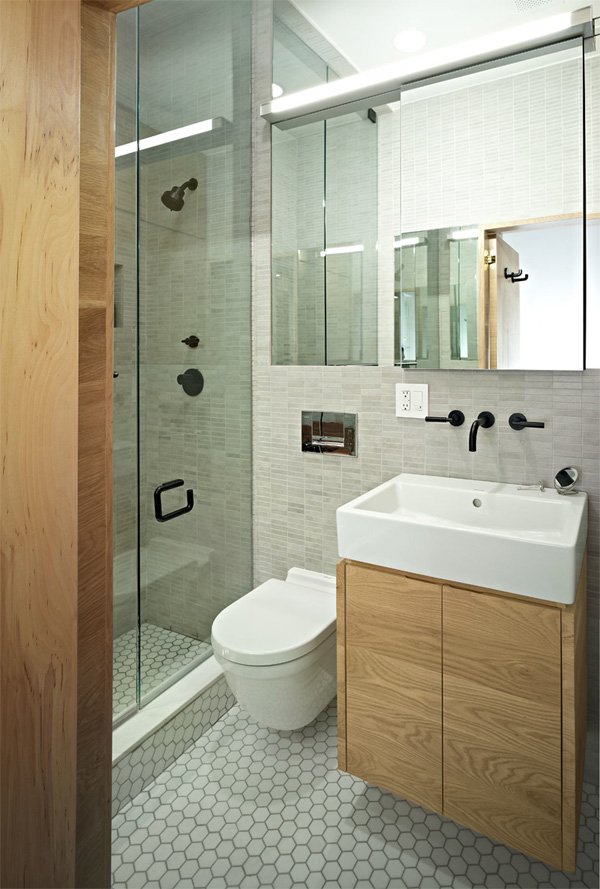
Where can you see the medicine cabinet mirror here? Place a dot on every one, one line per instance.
(453, 213)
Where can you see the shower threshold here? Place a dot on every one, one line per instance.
(166, 656)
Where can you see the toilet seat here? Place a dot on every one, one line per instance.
(277, 622)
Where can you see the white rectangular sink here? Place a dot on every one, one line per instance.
(486, 534)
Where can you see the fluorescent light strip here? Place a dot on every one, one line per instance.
(193, 129)
(409, 242)
(396, 73)
(351, 248)
(464, 234)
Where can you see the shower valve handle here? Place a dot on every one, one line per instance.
(166, 486)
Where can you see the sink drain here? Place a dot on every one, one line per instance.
(477, 502)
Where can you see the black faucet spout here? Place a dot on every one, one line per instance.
(473, 436)
(485, 420)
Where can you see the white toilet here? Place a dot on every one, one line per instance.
(277, 648)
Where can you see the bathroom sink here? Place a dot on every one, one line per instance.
(479, 533)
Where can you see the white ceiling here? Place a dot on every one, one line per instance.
(363, 30)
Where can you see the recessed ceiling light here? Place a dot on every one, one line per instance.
(276, 90)
(410, 40)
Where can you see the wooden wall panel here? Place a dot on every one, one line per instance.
(95, 448)
(39, 231)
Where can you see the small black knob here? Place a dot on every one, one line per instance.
(456, 418)
(192, 341)
(486, 419)
(192, 381)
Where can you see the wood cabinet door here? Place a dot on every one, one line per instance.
(502, 719)
(393, 683)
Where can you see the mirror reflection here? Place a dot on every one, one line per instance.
(456, 210)
(324, 242)
(498, 155)
(436, 297)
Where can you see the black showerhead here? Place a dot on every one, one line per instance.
(173, 199)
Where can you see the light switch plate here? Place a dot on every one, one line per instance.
(412, 400)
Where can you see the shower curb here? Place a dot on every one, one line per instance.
(141, 763)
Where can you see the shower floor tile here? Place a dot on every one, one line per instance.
(164, 653)
(248, 807)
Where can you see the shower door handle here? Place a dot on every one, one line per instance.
(166, 486)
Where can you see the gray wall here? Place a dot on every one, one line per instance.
(296, 495)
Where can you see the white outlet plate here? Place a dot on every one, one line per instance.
(412, 400)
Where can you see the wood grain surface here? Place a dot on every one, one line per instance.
(393, 683)
(502, 720)
(39, 246)
(116, 6)
(96, 272)
(341, 661)
(574, 715)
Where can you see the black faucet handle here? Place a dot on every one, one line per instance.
(520, 421)
(455, 418)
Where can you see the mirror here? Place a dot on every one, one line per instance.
(324, 243)
(492, 180)
(436, 298)
(566, 479)
(434, 201)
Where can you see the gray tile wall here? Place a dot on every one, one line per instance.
(296, 495)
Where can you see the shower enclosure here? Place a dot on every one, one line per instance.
(182, 387)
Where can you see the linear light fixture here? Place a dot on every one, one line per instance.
(384, 83)
(464, 234)
(351, 248)
(409, 242)
(192, 129)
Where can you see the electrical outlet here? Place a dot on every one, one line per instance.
(412, 400)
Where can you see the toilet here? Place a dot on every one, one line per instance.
(276, 646)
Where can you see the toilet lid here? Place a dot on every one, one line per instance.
(275, 623)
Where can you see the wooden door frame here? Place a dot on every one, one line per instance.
(95, 556)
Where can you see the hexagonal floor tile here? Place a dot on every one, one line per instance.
(269, 809)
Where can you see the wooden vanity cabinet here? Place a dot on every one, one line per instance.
(393, 660)
(469, 702)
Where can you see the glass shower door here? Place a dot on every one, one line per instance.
(182, 336)
(194, 326)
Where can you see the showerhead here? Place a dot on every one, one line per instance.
(173, 199)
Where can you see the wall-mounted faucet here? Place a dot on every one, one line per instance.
(485, 420)
(520, 421)
(455, 418)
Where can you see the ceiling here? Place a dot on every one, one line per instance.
(363, 30)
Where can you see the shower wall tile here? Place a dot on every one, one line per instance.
(295, 495)
(194, 277)
(140, 766)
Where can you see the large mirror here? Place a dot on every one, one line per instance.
(455, 209)
(492, 182)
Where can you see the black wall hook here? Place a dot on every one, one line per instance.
(515, 276)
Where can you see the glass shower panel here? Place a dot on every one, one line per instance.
(194, 326)
(125, 499)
